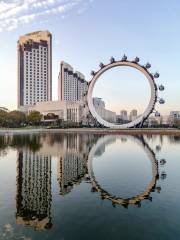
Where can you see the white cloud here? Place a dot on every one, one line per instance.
(17, 12)
(6, 6)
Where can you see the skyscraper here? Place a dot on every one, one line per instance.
(34, 68)
(123, 114)
(72, 85)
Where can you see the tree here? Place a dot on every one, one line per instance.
(154, 123)
(3, 118)
(34, 117)
(16, 119)
(12, 119)
(177, 122)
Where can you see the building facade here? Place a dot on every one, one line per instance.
(71, 85)
(66, 111)
(124, 115)
(175, 114)
(106, 114)
(133, 115)
(34, 68)
(174, 118)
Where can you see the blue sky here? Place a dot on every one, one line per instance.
(123, 88)
(86, 32)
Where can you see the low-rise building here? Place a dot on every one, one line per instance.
(66, 111)
(160, 120)
(174, 118)
(165, 120)
(175, 114)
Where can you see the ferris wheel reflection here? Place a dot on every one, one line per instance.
(151, 187)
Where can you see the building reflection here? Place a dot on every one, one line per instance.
(33, 199)
(3, 146)
(33, 196)
(174, 139)
(72, 162)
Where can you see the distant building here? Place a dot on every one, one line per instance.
(153, 121)
(133, 115)
(165, 120)
(175, 114)
(119, 119)
(174, 118)
(106, 114)
(72, 85)
(34, 68)
(160, 120)
(169, 120)
(98, 102)
(122, 118)
(124, 115)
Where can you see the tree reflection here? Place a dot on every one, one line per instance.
(29, 141)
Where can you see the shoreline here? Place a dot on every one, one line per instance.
(132, 131)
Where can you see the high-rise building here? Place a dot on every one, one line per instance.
(123, 114)
(34, 68)
(72, 85)
(133, 115)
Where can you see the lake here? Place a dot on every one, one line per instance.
(69, 186)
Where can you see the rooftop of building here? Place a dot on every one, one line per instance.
(36, 36)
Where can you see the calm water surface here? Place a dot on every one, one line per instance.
(89, 186)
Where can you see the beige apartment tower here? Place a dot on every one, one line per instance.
(71, 84)
(34, 68)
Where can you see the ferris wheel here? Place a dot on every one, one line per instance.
(153, 87)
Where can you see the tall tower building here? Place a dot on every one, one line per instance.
(133, 115)
(123, 114)
(34, 68)
(72, 85)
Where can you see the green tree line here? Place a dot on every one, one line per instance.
(15, 119)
